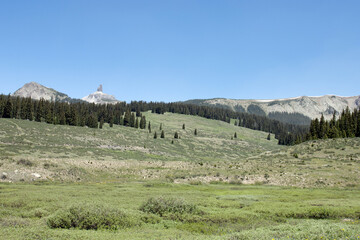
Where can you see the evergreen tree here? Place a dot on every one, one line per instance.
(137, 123)
(162, 134)
(155, 135)
(195, 132)
(111, 124)
(235, 135)
(92, 121)
(29, 109)
(176, 135)
(149, 127)
(132, 120)
(142, 122)
(183, 127)
(101, 122)
(160, 128)
(7, 113)
(268, 137)
(127, 118)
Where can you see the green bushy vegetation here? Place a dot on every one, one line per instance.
(163, 205)
(90, 217)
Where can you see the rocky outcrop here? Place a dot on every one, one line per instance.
(311, 107)
(38, 91)
(99, 97)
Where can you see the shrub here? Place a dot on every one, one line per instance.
(25, 162)
(90, 217)
(162, 205)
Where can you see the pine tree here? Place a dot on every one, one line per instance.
(111, 124)
(235, 135)
(176, 135)
(127, 118)
(162, 134)
(132, 120)
(92, 121)
(268, 137)
(101, 122)
(155, 135)
(137, 123)
(183, 127)
(8, 108)
(149, 127)
(195, 132)
(29, 109)
(160, 128)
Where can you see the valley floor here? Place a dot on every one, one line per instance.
(242, 188)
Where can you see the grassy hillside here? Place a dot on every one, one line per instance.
(117, 180)
(71, 153)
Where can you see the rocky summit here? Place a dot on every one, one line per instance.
(99, 97)
(38, 91)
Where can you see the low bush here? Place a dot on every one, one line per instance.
(90, 217)
(162, 205)
(25, 162)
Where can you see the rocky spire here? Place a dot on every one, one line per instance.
(99, 89)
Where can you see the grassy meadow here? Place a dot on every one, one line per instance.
(63, 182)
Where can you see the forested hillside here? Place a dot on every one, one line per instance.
(95, 115)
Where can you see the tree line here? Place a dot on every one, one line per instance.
(347, 125)
(129, 114)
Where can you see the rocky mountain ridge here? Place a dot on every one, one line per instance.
(310, 107)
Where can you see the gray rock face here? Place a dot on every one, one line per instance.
(99, 97)
(311, 107)
(38, 91)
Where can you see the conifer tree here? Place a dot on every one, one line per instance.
(101, 122)
(235, 135)
(268, 137)
(127, 118)
(155, 135)
(176, 135)
(160, 128)
(162, 134)
(111, 124)
(132, 120)
(195, 132)
(183, 127)
(8, 108)
(137, 123)
(149, 127)
(92, 121)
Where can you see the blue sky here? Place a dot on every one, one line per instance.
(175, 50)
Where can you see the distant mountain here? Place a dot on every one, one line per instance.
(298, 110)
(99, 97)
(37, 91)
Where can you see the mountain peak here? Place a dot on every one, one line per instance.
(37, 91)
(99, 97)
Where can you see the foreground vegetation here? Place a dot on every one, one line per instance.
(208, 211)
(67, 182)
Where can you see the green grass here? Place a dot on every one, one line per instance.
(63, 182)
(222, 211)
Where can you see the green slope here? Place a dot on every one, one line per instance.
(38, 151)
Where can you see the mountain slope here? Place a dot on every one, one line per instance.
(38, 91)
(99, 97)
(305, 107)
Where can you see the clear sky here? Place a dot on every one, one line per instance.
(175, 50)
